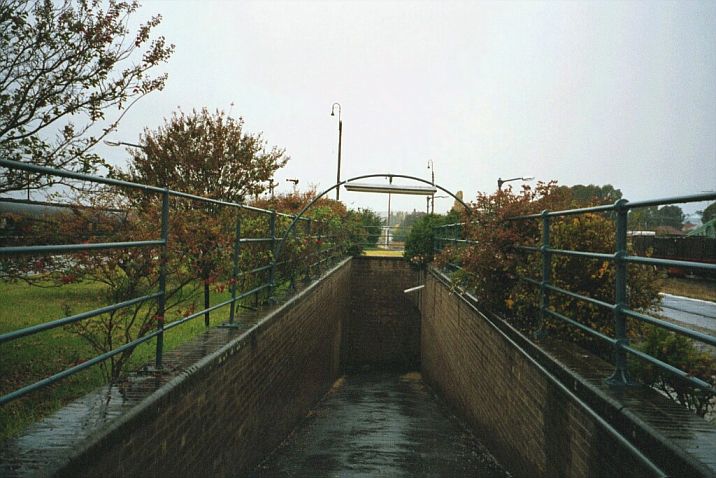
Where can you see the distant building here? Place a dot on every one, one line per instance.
(688, 227)
(668, 231)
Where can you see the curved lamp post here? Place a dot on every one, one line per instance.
(431, 167)
(340, 134)
(109, 142)
(501, 181)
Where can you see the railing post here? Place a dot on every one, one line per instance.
(620, 377)
(235, 270)
(272, 269)
(546, 275)
(309, 268)
(292, 266)
(162, 278)
(320, 246)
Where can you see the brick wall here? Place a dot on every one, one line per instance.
(232, 408)
(384, 326)
(228, 411)
(531, 425)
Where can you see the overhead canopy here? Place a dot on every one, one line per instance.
(391, 188)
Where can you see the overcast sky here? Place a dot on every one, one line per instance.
(605, 92)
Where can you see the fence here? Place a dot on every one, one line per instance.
(383, 238)
(620, 258)
(318, 245)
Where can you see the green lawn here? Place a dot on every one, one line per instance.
(703, 289)
(35, 357)
(383, 253)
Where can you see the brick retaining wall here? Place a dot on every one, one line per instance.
(232, 408)
(229, 410)
(526, 420)
(531, 402)
(384, 326)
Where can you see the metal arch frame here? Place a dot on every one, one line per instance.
(341, 183)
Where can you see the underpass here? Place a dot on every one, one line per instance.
(351, 376)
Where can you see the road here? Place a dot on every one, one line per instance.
(701, 313)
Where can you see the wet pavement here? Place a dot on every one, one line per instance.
(380, 424)
(700, 313)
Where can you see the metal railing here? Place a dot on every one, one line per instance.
(275, 273)
(620, 258)
(386, 239)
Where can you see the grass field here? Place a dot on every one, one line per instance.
(694, 288)
(383, 253)
(38, 356)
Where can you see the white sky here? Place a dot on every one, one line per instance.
(621, 93)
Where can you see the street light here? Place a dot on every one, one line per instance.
(271, 186)
(427, 207)
(109, 142)
(501, 181)
(431, 167)
(294, 181)
(122, 143)
(340, 134)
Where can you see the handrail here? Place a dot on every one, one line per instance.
(471, 301)
(620, 258)
(267, 283)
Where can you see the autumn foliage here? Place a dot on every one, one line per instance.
(492, 268)
(68, 73)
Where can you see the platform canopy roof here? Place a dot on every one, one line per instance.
(391, 188)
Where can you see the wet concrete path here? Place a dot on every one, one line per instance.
(380, 424)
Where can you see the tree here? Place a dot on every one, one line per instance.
(420, 243)
(403, 230)
(708, 213)
(583, 196)
(206, 154)
(492, 267)
(64, 66)
(671, 216)
(209, 155)
(372, 223)
(643, 219)
(649, 218)
(122, 273)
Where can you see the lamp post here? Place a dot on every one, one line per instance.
(295, 183)
(271, 186)
(432, 198)
(340, 134)
(387, 231)
(109, 142)
(501, 181)
(431, 167)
